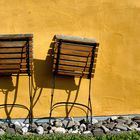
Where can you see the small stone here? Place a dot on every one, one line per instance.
(114, 118)
(26, 125)
(59, 130)
(77, 123)
(10, 131)
(53, 128)
(97, 125)
(94, 121)
(105, 129)
(122, 126)
(120, 120)
(28, 133)
(124, 117)
(11, 125)
(46, 126)
(108, 120)
(70, 130)
(137, 121)
(110, 125)
(65, 123)
(2, 132)
(4, 126)
(98, 132)
(87, 132)
(23, 124)
(136, 118)
(104, 122)
(128, 122)
(118, 130)
(137, 129)
(17, 123)
(50, 131)
(82, 127)
(114, 132)
(66, 130)
(24, 130)
(18, 129)
(90, 127)
(58, 123)
(75, 127)
(33, 127)
(71, 118)
(40, 130)
(75, 132)
(51, 122)
(69, 124)
(133, 125)
(46, 132)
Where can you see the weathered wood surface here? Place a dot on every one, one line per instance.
(16, 54)
(75, 58)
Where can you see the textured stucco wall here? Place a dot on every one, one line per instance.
(115, 24)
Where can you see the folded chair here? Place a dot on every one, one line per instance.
(74, 56)
(16, 59)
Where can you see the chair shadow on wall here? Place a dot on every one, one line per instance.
(7, 86)
(44, 78)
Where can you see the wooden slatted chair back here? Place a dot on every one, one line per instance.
(16, 54)
(75, 56)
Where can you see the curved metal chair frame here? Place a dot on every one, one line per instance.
(74, 56)
(16, 59)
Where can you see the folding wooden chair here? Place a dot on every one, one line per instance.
(16, 59)
(75, 56)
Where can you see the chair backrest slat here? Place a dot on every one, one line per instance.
(16, 54)
(74, 57)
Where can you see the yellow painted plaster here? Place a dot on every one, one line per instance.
(115, 24)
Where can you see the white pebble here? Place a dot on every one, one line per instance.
(40, 130)
(87, 132)
(27, 125)
(2, 132)
(24, 130)
(94, 121)
(17, 123)
(137, 129)
(59, 130)
(75, 132)
(114, 118)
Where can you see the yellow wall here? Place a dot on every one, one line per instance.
(115, 24)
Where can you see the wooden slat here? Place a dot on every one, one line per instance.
(16, 36)
(75, 40)
(78, 47)
(14, 71)
(72, 63)
(84, 75)
(14, 55)
(14, 50)
(72, 68)
(13, 61)
(73, 58)
(15, 66)
(12, 43)
(75, 53)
